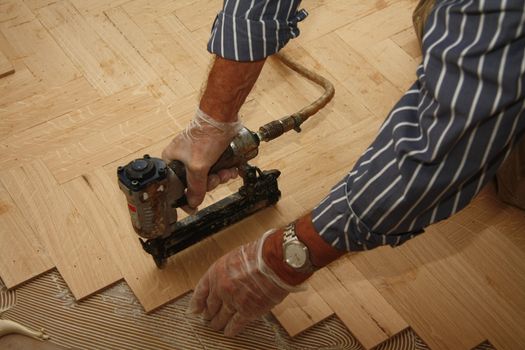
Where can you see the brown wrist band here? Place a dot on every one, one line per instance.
(321, 253)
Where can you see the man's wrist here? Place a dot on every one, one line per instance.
(228, 85)
(273, 256)
(320, 252)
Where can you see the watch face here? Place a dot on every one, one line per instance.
(295, 255)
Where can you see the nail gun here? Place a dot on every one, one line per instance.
(154, 189)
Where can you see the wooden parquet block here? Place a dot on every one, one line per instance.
(198, 14)
(16, 87)
(99, 83)
(104, 207)
(6, 67)
(429, 307)
(143, 126)
(302, 310)
(155, 61)
(355, 73)
(366, 301)
(100, 65)
(67, 129)
(31, 112)
(42, 55)
(475, 275)
(328, 16)
(22, 256)
(79, 257)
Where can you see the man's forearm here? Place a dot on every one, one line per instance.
(229, 83)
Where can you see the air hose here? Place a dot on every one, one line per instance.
(278, 127)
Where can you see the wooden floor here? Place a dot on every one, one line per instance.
(98, 83)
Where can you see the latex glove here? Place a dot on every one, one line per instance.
(238, 288)
(199, 146)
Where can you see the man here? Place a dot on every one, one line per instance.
(440, 144)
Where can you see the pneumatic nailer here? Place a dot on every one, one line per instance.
(154, 189)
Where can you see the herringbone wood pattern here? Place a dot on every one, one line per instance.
(100, 82)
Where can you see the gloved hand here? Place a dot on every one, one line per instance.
(199, 146)
(238, 288)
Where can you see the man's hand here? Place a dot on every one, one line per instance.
(250, 280)
(237, 289)
(199, 146)
(214, 126)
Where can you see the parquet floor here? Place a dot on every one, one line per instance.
(98, 83)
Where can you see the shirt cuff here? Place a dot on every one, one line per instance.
(244, 39)
(342, 228)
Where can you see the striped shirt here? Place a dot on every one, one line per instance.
(442, 141)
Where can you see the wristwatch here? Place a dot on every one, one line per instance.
(295, 252)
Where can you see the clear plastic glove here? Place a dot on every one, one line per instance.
(238, 288)
(199, 146)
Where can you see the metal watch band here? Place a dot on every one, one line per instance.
(289, 233)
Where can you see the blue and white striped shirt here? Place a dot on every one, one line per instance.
(441, 142)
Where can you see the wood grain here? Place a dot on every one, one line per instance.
(67, 129)
(100, 65)
(358, 304)
(22, 255)
(153, 60)
(429, 307)
(78, 255)
(6, 67)
(99, 83)
(143, 126)
(56, 101)
(302, 310)
(41, 53)
(104, 206)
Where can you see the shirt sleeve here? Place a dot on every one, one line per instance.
(447, 135)
(250, 30)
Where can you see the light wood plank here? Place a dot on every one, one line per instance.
(78, 255)
(14, 12)
(199, 14)
(101, 66)
(466, 256)
(165, 71)
(54, 102)
(37, 4)
(40, 52)
(19, 86)
(428, 306)
(394, 63)
(302, 310)
(373, 42)
(147, 11)
(365, 31)
(359, 322)
(101, 202)
(144, 73)
(184, 51)
(367, 300)
(96, 7)
(6, 67)
(141, 129)
(408, 41)
(69, 128)
(335, 14)
(479, 279)
(22, 256)
(355, 73)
